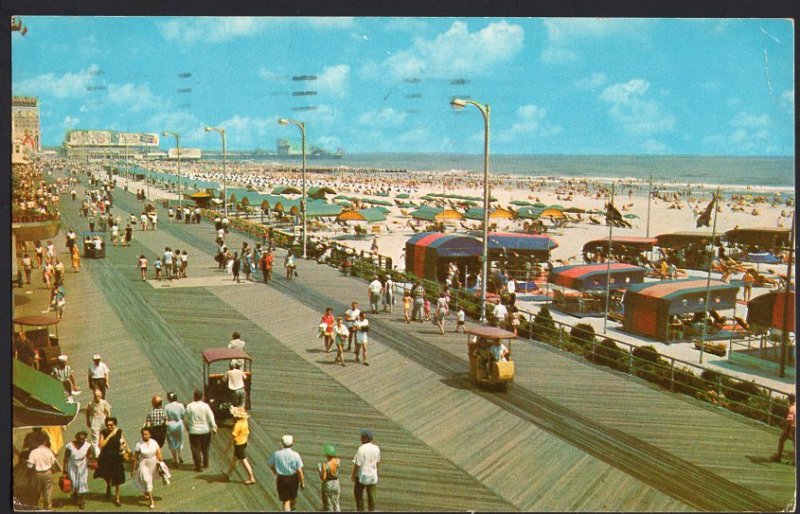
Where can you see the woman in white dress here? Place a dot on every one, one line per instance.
(146, 456)
(76, 455)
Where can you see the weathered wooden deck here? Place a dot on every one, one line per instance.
(567, 436)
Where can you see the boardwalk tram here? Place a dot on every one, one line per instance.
(94, 245)
(490, 363)
(216, 361)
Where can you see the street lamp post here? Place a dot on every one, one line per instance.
(180, 181)
(221, 131)
(302, 125)
(459, 104)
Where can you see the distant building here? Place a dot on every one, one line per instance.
(289, 147)
(25, 124)
(110, 145)
(187, 154)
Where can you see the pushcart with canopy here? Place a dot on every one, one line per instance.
(215, 362)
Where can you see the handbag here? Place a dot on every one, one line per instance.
(125, 452)
(65, 484)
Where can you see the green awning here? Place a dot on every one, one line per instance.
(319, 192)
(39, 399)
(321, 210)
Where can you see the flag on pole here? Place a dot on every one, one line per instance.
(704, 220)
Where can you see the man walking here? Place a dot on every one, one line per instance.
(201, 424)
(365, 471)
(350, 317)
(167, 259)
(287, 466)
(96, 413)
(374, 293)
(42, 462)
(265, 263)
(418, 292)
(156, 421)
(98, 375)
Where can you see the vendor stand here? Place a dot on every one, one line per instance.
(587, 283)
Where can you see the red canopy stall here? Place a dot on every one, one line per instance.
(590, 280)
(429, 253)
(766, 310)
(623, 248)
(650, 307)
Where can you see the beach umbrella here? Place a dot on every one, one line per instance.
(574, 210)
(630, 216)
(519, 202)
(540, 205)
(403, 196)
(551, 212)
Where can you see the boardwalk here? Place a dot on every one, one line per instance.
(567, 436)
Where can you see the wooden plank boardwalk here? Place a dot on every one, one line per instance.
(567, 436)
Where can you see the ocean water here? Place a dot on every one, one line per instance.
(755, 174)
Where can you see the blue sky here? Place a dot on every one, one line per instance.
(555, 86)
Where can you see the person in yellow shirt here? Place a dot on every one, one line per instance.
(239, 434)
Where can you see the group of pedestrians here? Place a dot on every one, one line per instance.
(172, 265)
(352, 326)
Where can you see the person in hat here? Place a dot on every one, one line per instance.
(97, 410)
(98, 375)
(239, 435)
(63, 372)
(329, 474)
(365, 471)
(287, 466)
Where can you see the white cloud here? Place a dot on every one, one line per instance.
(787, 100)
(70, 122)
(331, 22)
(634, 112)
(135, 97)
(592, 82)
(386, 117)
(564, 33)
(555, 55)
(334, 80)
(651, 146)
(211, 30)
(67, 85)
(746, 120)
(530, 122)
(271, 76)
(454, 52)
(225, 28)
(750, 135)
(413, 25)
(184, 123)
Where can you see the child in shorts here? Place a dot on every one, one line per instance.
(460, 319)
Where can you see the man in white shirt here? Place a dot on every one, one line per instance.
(500, 312)
(374, 294)
(41, 462)
(200, 424)
(350, 316)
(365, 471)
(98, 375)
(361, 327)
(237, 343)
(167, 260)
(234, 377)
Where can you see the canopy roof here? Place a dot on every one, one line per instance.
(684, 238)
(762, 258)
(686, 295)
(489, 332)
(286, 190)
(320, 191)
(36, 320)
(584, 277)
(767, 310)
(218, 354)
(448, 245)
(515, 241)
(759, 236)
(197, 195)
(476, 213)
(640, 243)
(428, 213)
(39, 399)
(371, 215)
(322, 209)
